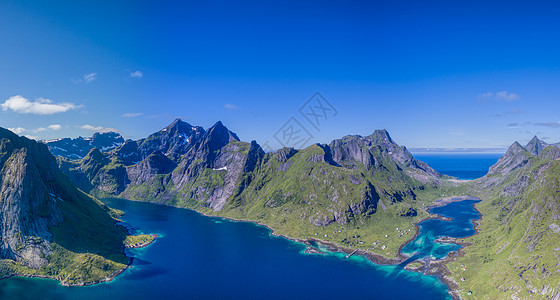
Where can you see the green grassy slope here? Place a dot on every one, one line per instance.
(517, 251)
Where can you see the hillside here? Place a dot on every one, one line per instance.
(517, 251)
(48, 227)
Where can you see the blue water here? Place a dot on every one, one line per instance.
(462, 165)
(199, 257)
(461, 225)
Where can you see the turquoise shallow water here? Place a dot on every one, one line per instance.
(461, 225)
(199, 257)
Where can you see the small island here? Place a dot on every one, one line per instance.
(139, 241)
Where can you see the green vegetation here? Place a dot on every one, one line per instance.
(139, 241)
(516, 253)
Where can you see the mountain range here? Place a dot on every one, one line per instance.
(78, 148)
(213, 171)
(363, 186)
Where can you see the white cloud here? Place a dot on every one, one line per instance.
(132, 115)
(505, 96)
(98, 128)
(90, 77)
(54, 127)
(17, 130)
(40, 106)
(500, 96)
(91, 127)
(136, 74)
(231, 106)
(32, 137)
(549, 124)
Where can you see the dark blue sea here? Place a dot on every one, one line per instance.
(200, 257)
(465, 166)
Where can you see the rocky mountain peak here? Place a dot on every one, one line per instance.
(95, 155)
(220, 136)
(375, 152)
(515, 157)
(381, 136)
(535, 146)
(515, 148)
(178, 126)
(107, 140)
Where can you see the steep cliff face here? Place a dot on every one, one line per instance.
(27, 207)
(217, 171)
(39, 207)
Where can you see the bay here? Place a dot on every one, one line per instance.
(199, 257)
(459, 224)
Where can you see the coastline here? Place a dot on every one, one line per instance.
(106, 279)
(439, 268)
(435, 268)
(135, 246)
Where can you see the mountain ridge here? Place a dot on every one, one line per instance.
(515, 253)
(350, 181)
(77, 148)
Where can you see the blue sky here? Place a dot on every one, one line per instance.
(436, 74)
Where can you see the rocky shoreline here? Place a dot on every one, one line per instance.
(108, 278)
(142, 245)
(436, 268)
